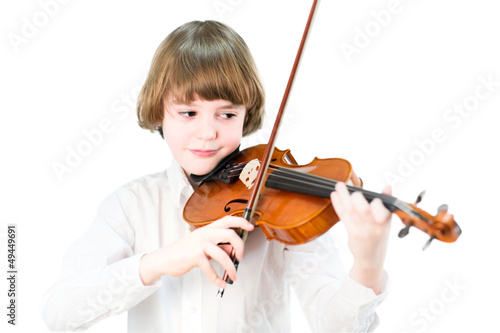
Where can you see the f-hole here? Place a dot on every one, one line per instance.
(227, 208)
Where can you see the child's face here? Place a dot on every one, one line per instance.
(202, 133)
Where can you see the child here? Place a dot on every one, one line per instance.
(203, 94)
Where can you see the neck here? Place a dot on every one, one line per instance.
(299, 182)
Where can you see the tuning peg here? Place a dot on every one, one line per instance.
(420, 197)
(443, 208)
(428, 243)
(403, 232)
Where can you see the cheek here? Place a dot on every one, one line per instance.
(173, 135)
(232, 136)
(237, 131)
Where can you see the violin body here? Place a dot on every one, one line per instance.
(291, 218)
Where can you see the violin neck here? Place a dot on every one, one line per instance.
(298, 182)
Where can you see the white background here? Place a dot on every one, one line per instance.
(88, 57)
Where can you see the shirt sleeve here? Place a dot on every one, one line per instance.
(330, 299)
(100, 275)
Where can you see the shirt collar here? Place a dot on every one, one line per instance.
(181, 188)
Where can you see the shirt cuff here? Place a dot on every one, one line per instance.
(353, 307)
(362, 295)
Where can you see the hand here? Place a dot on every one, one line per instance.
(196, 250)
(368, 226)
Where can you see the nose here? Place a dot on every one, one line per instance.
(207, 131)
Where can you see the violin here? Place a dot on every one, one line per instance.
(290, 202)
(294, 206)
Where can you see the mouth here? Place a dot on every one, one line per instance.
(203, 152)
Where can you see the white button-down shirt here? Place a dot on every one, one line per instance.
(101, 275)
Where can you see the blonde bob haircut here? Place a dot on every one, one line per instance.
(208, 60)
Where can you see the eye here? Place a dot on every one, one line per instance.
(188, 114)
(228, 115)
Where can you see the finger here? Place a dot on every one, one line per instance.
(231, 239)
(226, 248)
(334, 196)
(232, 222)
(359, 203)
(343, 199)
(222, 258)
(209, 271)
(387, 190)
(379, 212)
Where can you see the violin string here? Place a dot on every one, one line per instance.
(293, 175)
(305, 179)
(312, 181)
(328, 184)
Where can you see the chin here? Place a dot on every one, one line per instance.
(200, 170)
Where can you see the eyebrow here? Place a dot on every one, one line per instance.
(230, 106)
(194, 104)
